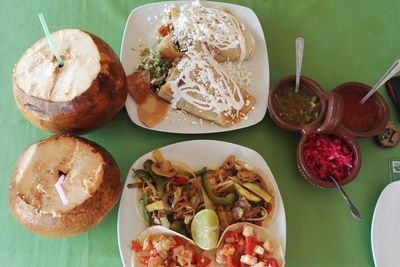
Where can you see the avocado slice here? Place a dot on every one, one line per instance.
(246, 193)
(258, 190)
(158, 205)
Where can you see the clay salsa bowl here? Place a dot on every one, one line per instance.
(347, 139)
(290, 81)
(362, 120)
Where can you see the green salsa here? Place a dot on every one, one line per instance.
(298, 108)
(158, 66)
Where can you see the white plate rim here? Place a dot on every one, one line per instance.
(263, 81)
(377, 221)
(278, 226)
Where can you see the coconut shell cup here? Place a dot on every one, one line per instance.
(32, 197)
(91, 109)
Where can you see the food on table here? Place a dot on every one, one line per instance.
(151, 109)
(63, 185)
(84, 94)
(358, 117)
(158, 246)
(240, 193)
(200, 86)
(298, 108)
(169, 193)
(157, 65)
(327, 154)
(205, 229)
(188, 68)
(249, 245)
(223, 34)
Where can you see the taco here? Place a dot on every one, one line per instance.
(168, 193)
(158, 246)
(249, 245)
(240, 193)
(199, 85)
(223, 34)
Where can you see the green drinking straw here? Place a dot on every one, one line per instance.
(50, 40)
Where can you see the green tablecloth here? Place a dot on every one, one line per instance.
(344, 41)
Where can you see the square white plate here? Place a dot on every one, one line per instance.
(140, 33)
(197, 154)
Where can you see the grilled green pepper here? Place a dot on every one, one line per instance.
(142, 174)
(146, 215)
(160, 182)
(217, 200)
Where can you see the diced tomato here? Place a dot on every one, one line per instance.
(135, 246)
(251, 243)
(181, 180)
(179, 241)
(272, 262)
(144, 259)
(164, 30)
(200, 260)
(232, 262)
(231, 236)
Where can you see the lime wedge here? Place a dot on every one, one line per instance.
(205, 229)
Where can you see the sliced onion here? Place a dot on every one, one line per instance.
(260, 218)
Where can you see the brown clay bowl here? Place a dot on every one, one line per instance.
(348, 139)
(290, 80)
(366, 126)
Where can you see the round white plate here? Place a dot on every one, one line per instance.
(197, 154)
(385, 230)
(140, 33)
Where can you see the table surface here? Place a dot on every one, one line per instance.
(344, 41)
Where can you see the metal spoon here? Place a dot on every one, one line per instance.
(354, 211)
(299, 60)
(389, 74)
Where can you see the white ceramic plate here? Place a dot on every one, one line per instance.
(140, 33)
(197, 154)
(385, 230)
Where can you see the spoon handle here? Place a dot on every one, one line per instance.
(389, 74)
(354, 211)
(299, 60)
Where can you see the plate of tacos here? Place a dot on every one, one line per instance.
(199, 191)
(195, 67)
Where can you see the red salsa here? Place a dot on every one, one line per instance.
(326, 154)
(358, 117)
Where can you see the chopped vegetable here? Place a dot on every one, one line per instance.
(223, 201)
(142, 174)
(145, 203)
(135, 246)
(298, 108)
(158, 205)
(326, 154)
(158, 66)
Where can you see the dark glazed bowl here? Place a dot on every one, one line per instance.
(307, 82)
(348, 139)
(382, 110)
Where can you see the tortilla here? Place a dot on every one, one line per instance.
(266, 183)
(225, 36)
(262, 234)
(199, 85)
